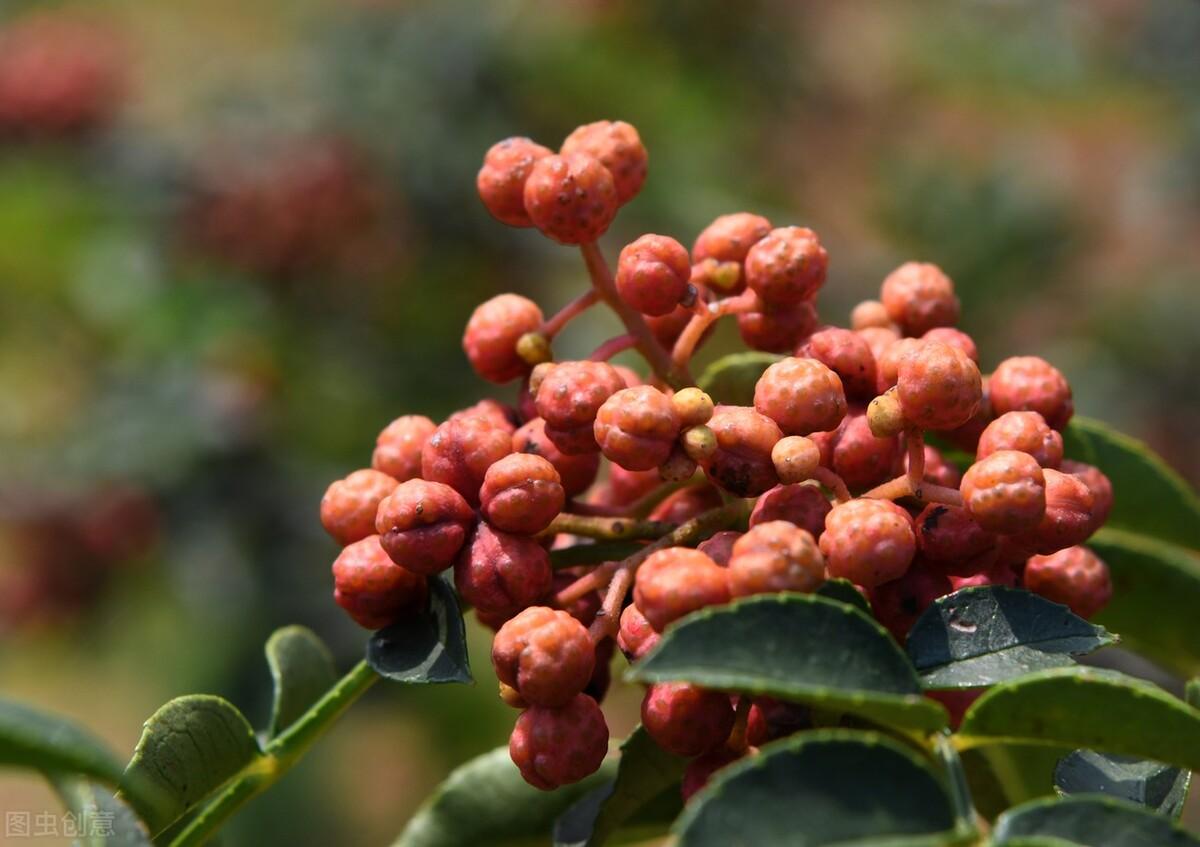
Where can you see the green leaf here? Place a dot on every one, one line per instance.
(1003, 775)
(101, 820)
(1156, 592)
(795, 647)
(1161, 787)
(487, 802)
(1086, 707)
(30, 738)
(645, 772)
(427, 648)
(825, 787)
(731, 379)
(189, 748)
(981, 636)
(302, 669)
(1150, 498)
(843, 591)
(1088, 822)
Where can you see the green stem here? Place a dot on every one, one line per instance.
(280, 755)
(965, 826)
(608, 529)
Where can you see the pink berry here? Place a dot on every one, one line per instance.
(803, 505)
(1075, 577)
(685, 719)
(636, 428)
(461, 450)
(501, 180)
(1027, 383)
(398, 447)
(775, 556)
(577, 473)
(423, 525)
(553, 747)
(349, 505)
(568, 400)
(1067, 520)
(571, 199)
(778, 328)
(521, 494)
(498, 572)
(1005, 492)
(938, 386)
(1027, 432)
(787, 265)
(373, 590)
(742, 463)
(919, 297)
(848, 355)
(652, 274)
(868, 542)
(491, 336)
(545, 654)
(1100, 486)
(677, 581)
(801, 395)
(719, 547)
(618, 147)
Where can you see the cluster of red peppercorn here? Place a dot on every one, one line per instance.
(833, 451)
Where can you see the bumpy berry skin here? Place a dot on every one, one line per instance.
(577, 473)
(1075, 577)
(1067, 520)
(668, 327)
(938, 386)
(637, 427)
(775, 556)
(373, 589)
(796, 459)
(349, 505)
(423, 525)
(545, 654)
(685, 719)
(730, 237)
(954, 338)
(490, 339)
(951, 542)
(569, 398)
(898, 604)
(787, 265)
(635, 637)
(770, 719)
(652, 274)
(492, 412)
(719, 547)
(742, 462)
(879, 339)
(778, 328)
(461, 450)
(558, 746)
(701, 769)
(848, 355)
(870, 313)
(676, 581)
(869, 542)
(618, 147)
(501, 180)
(497, 572)
(1028, 383)
(521, 494)
(887, 362)
(1005, 492)
(801, 396)
(687, 503)
(1100, 486)
(398, 447)
(1001, 573)
(919, 297)
(572, 199)
(1027, 432)
(802, 505)
(858, 457)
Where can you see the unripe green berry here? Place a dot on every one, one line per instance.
(693, 406)
(884, 415)
(796, 459)
(534, 349)
(679, 467)
(699, 443)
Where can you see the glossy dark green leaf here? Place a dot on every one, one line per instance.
(731, 379)
(189, 748)
(645, 773)
(843, 591)
(487, 802)
(1086, 707)
(97, 817)
(795, 647)
(980, 636)
(30, 738)
(827, 787)
(430, 647)
(1150, 498)
(1156, 592)
(1162, 788)
(1088, 822)
(302, 670)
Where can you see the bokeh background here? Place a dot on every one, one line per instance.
(236, 239)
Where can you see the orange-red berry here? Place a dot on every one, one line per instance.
(461, 450)
(778, 328)
(577, 472)
(803, 505)
(521, 493)
(635, 637)
(676, 581)
(848, 355)
(349, 505)
(568, 399)
(730, 237)
(685, 719)
(618, 147)
(742, 462)
(868, 542)
(501, 180)
(787, 265)
(571, 199)
(490, 339)
(636, 428)
(1024, 431)
(374, 590)
(398, 447)
(918, 296)
(938, 386)
(1075, 577)
(423, 525)
(1028, 383)
(775, 556)
(653, 273)
(801, 396)
(553, 747)
(1005, 492)
(545, 654)
(497, 572)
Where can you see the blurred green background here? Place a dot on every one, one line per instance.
(236, 239)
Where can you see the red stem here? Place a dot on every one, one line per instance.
(611, 348)
(567, 313)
